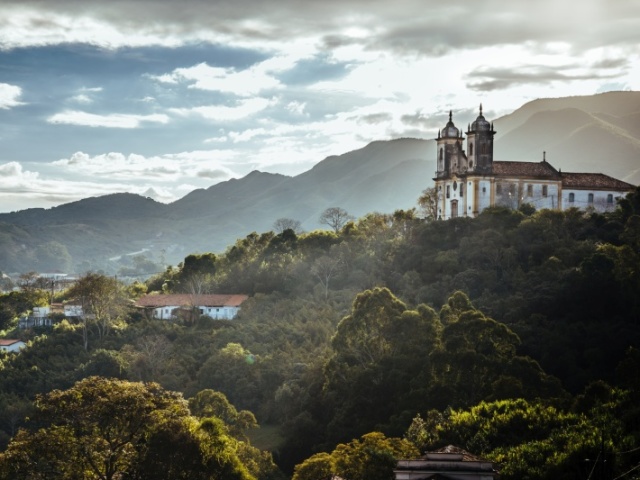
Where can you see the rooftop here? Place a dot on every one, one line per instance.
(185, 299)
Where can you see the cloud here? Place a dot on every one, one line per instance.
(166, 168)
(18, 186)
(115, 120)
(214, 174)
(242, 109)
(203, 77)
(9, 96)
(425, 27)
(502, 78)
(14, 172)
(245, 82)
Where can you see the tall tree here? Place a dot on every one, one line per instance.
(335, 218)
(103, 301)
(282, 224)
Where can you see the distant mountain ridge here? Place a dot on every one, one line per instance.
(599, 133)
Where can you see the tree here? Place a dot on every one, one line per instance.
(103, 301)
(113, 429)
(335, 218)
(209, 403)
(428, 203)
(372, 457)
(317, 467)
(282, 224)
(325, 268)
(379, 363)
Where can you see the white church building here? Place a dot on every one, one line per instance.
(468, 181)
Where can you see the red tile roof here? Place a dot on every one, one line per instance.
(525, 169)
(8, 342)
(594, 181)
(185, 299)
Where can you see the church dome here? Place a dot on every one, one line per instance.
(480, 124)
(450, 130)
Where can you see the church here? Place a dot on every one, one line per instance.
(468, 181)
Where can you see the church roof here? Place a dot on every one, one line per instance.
(593, 181)
(480, 124)
(450, 130)
(525, 169)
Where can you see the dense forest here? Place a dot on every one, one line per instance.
(514, 335)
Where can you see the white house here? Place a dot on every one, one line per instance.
(11, 345)
(166, 307)
(71, 311)
(468, 181)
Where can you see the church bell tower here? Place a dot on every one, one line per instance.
(480, 145)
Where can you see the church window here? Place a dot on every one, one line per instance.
(462, 189)
(484, 189)
(470, 149)
(529, 190)
(448, 191)
(455, 186)
(545, 191)
(499, 189)
(441, 153)
(610, 198)
(512, 189)
(572, 197)
(471, 164)
(590, 198)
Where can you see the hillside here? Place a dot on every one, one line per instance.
(599, 133)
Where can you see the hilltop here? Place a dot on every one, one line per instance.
(598, 133)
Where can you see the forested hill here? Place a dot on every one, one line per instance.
(597, 133)
(514, 335)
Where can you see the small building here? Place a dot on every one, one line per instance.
(72, 311)
(11, 345)
(469, 180)
(449, 462)
(168, 307)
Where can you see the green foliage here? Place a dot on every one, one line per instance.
(521, 298)
(114, 429)
(534, 440)
(209, 403)
(372, 457)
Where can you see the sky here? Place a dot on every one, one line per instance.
(160, 97)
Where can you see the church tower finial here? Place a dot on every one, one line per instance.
(480, 108)
(450, 115)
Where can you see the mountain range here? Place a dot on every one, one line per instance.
(599, 133)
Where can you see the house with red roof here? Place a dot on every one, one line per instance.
(171, 307)
(11, 345)
(468, 181)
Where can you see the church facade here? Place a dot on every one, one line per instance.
(469, 180)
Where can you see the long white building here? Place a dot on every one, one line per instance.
(469, 180)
